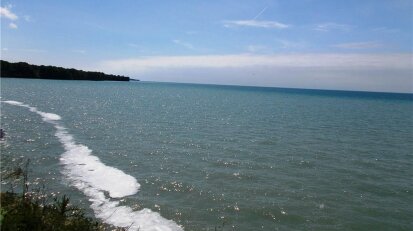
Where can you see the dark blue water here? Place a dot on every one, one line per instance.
(247, 157)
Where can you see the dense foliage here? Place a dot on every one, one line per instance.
(33, 210)
(22, 212)
(25, 70)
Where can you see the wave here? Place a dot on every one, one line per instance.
(88, 174)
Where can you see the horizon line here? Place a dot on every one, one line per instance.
(278, 87)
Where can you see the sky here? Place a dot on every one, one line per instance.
(323, 44)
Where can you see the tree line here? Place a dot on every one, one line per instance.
(25, 70)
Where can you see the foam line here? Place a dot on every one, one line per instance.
(88, 174)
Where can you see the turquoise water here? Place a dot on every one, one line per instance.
(249, 158)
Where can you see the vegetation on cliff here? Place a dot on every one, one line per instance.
(25, 70)
(34, 210)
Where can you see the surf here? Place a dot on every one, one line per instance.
(103, 185)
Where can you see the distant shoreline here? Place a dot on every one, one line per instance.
(29, 71)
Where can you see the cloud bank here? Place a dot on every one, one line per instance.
(338, 61)
(371, 72)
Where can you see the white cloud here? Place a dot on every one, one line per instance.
(359, 45)
(256, 23)
(12, 25)
(5, 12)
(184, 44)
(330, 26)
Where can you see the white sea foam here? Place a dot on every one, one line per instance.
(12, 102)
(83, 167)
(49, 116)
(88, 174)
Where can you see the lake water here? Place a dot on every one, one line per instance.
(199, 157)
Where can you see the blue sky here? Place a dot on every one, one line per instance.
(352, 45)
